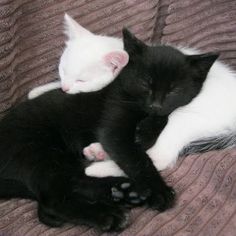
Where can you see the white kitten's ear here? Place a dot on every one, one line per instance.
(73, 29)
(116, 60)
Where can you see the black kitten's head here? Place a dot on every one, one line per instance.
(161, 77)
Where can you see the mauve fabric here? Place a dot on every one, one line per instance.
(31, 41)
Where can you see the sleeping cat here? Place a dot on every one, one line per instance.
(84, 68)
(41, 144)
(206, 123)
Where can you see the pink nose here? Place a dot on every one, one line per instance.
(65, 88)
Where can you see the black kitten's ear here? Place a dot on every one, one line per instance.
(203, 62)
(131, 44)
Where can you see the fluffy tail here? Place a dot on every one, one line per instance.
(209, 144)
(14, 189)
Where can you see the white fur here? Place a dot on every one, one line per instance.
(83, 66)
(211, 113)
(43, 89)
(103, 169)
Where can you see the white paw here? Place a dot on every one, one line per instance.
(161, 160)
(104, 169)
(33, 94)
(95, 152)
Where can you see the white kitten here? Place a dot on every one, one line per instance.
(88, 63)
(211, 114)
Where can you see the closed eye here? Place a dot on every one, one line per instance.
(174, 90)
(79, 80)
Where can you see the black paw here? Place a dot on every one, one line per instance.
(47, 218)
(145, 137)
(162, 198)
(148, 130)
(124, 193)
(113, 219)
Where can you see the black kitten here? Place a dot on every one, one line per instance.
(41, 143)
(156, 81)
(179, 79)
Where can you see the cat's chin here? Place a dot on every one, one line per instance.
(73, 91)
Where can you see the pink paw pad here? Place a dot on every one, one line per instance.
(95, 152)
(88, 153)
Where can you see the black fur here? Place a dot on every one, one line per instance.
(41, 141)
(156, 81)
(170, 80)
(41, 144)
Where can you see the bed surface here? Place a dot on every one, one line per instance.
(31, 42)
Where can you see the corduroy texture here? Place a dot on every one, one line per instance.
(206, 191)
(209, 25)
(31, 41)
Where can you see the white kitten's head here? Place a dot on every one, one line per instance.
(89, 57)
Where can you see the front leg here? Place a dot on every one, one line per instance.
(117, 138)
(38, 91)
(146, 135)
(149, 129)
(178, 133)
